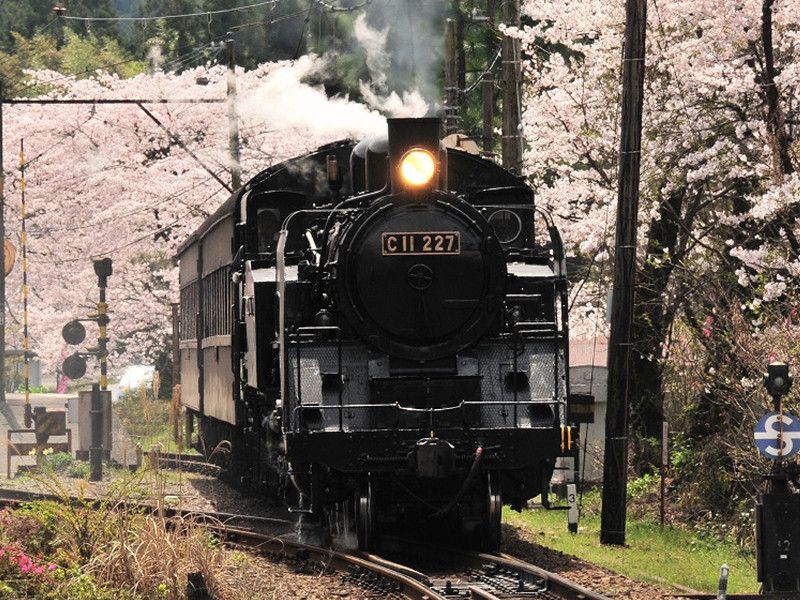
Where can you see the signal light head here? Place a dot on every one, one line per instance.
(417, 167)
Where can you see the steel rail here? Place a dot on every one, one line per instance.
(532, 581)
(194, 463)
(389, 579)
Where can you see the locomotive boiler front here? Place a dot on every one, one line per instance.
(420, 276)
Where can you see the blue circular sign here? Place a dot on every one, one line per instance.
(778, 436)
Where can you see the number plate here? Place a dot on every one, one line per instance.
(406, 243)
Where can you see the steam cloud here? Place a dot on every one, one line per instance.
(405, 104)
(284, 102)
(403, 59)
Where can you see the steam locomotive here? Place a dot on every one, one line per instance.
(379, 330)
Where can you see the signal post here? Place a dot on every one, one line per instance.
(74, 367)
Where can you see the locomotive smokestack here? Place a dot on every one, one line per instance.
(405, 134)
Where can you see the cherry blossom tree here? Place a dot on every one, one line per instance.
(106, 180)
(719, 191)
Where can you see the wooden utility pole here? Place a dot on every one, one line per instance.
(487, 92)
(615, 474)
(450, 78)
(233, 118)
(2, 257)
(176, 345)
(512, 136)
(176, 372)
(461, 53)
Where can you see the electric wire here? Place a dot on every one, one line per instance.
(204, 13)
(302, 33)
(332, 8)
(156, 204)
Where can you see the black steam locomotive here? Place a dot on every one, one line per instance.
(379, 332)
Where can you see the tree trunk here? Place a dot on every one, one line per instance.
(650, 327)
(779, 139)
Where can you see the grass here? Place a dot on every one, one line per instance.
(675, 557)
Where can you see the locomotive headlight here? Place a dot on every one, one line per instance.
(417, 167)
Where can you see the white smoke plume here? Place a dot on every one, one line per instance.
(155, 57)
(284, 102)
(406, 103)
(373, 41)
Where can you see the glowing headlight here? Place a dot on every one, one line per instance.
(417, 167)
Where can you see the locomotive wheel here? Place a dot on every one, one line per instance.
(365, 517)
(494, 508)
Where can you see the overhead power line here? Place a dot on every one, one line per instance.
(333, 8)
(179, 16)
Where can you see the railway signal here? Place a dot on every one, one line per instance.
(74, 333)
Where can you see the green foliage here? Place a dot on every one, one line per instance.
(681, 453)
(33, 389)
(76, 527)
(84, 55)
(79, 55)
(57, 462)
(643, 486)
(27, 17)
(79, 469)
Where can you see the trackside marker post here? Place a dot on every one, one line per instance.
(722, 594)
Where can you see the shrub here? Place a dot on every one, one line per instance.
(79, 469)
(57, 462)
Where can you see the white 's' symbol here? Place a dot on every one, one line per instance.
(772, 432)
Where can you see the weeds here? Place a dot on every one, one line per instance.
(104, 548)
(153, 556)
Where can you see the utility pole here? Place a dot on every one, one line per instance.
(2, 257)
(512, 136)
(233, 118)
(59, 10)
(450, 78)
(487, 91)
(615, 474)
(461, 54)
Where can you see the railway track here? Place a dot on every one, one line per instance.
(194, 463)
(470, 576)
(403, 570)
(453, 573)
